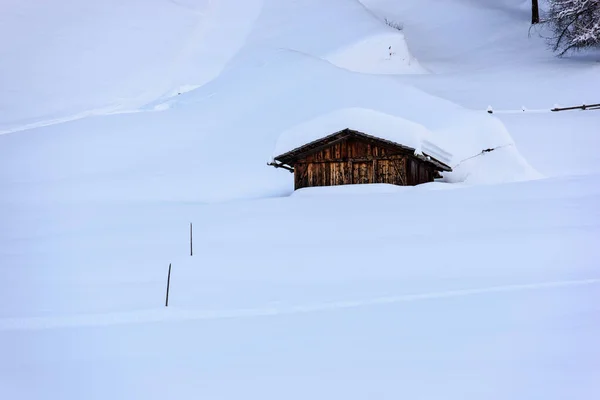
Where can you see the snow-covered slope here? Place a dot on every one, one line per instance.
(66, 59)
(481, 53)
(488, 290)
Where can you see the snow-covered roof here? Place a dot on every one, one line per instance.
(374, 123)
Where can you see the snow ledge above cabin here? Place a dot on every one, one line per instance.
(371, 122)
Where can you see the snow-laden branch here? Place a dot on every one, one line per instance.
(575, 24)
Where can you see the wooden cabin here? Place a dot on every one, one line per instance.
(352, 157)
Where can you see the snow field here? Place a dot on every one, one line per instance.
(482, 286)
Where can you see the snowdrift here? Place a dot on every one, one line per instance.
(385, 53)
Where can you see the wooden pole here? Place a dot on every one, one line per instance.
(168, 285)
(191, 241)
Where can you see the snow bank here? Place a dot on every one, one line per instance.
(484, 168)
(369, 189)
(385, 53)
(371, 122)
(363, 189)
(467, 134)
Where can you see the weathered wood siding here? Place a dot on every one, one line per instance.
(362, 172)
(352, 161)
(392, 171)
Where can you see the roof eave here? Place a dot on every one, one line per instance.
(290, 156)
(294, 153)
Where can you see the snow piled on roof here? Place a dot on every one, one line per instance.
(384, 126)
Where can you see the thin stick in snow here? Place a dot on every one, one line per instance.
(191, 241)
(168, 285)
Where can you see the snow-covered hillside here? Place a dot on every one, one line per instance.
(64, 59)
(124, 121)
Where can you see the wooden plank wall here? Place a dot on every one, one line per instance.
(352, 161)
(392, 171)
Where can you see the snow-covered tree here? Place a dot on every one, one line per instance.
(575, 24)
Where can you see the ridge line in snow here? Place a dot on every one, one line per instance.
(179, 315)
(110, 110)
